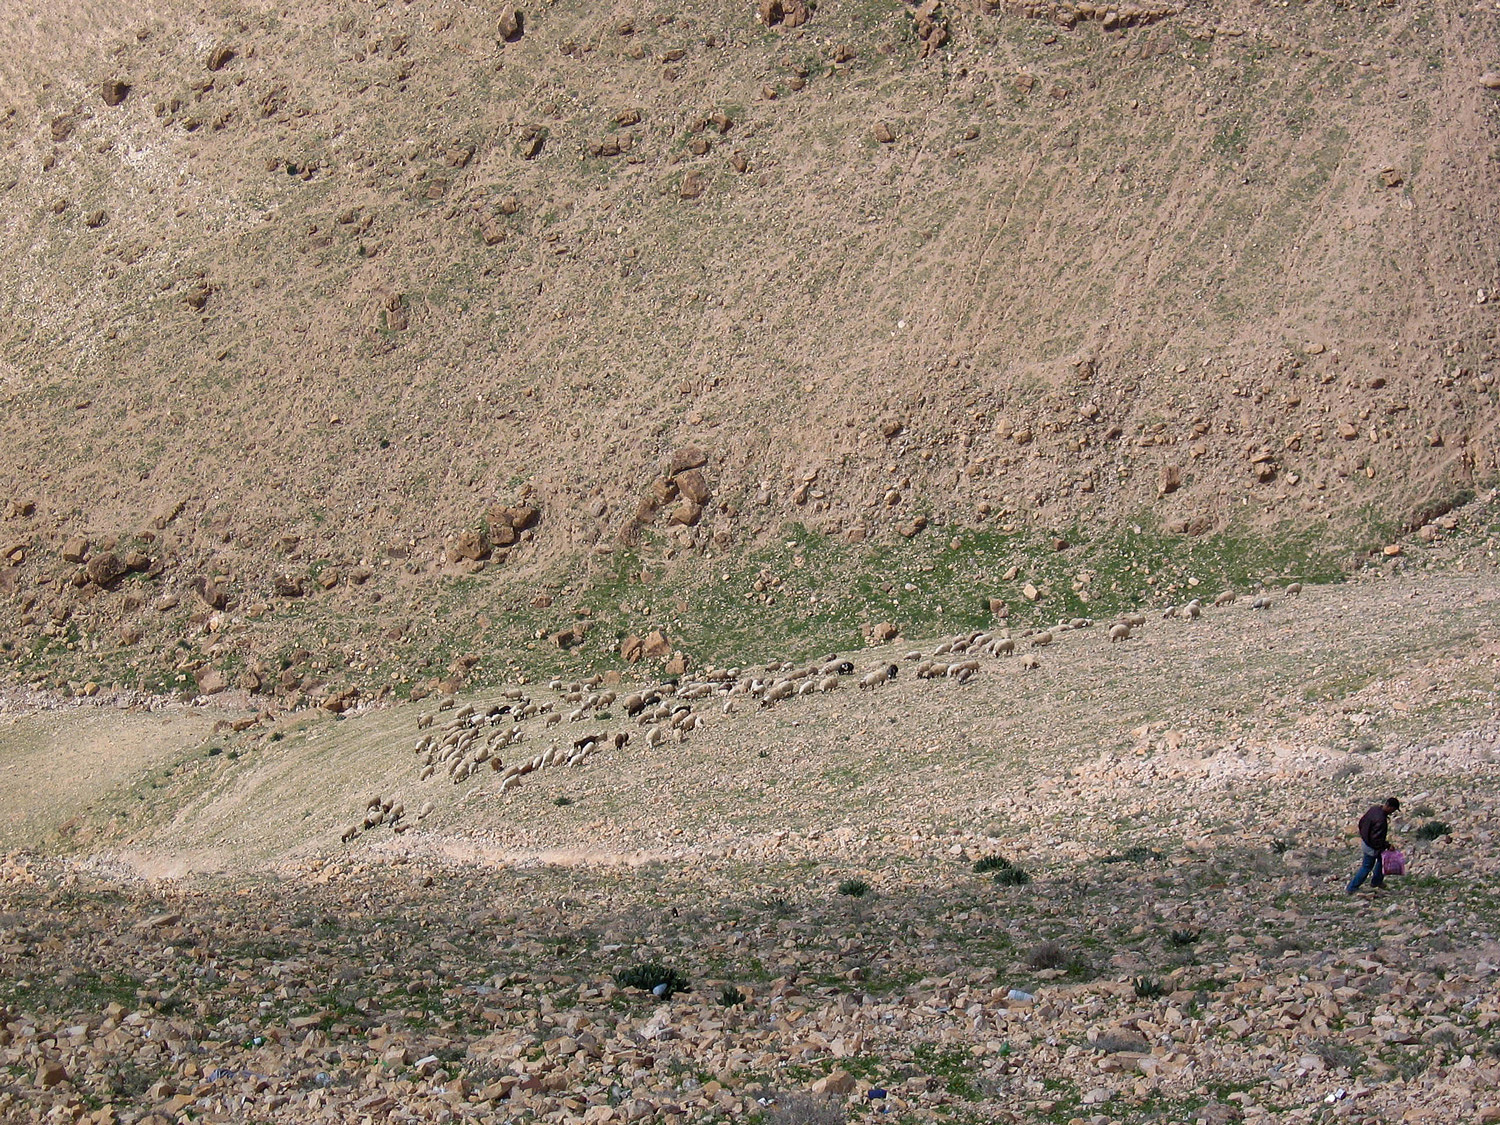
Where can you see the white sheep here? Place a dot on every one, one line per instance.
(1119, 632)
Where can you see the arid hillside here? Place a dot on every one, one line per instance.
(357, 343)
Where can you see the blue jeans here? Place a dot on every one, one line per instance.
(1370, 864)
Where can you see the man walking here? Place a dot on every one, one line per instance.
(1373, 827)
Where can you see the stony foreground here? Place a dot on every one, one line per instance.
(1195, 975)
(1167, 940)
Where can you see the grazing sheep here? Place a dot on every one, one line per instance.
(1193, 610)
(552, 720)
(829, 683)
(963, 669)
(1294, 588)
(1226, 598)
(424, 721)
(425, 811)
(1120, 632)
(1261, 602)
(872, 680)
(1133, 619)
(1030, 663)
(655, 736)
(808, 687)
(349, 833)
(1038, 640)
(427, 771)
(781, 689)
(1003, 647)
(728, 704)
(621, 738)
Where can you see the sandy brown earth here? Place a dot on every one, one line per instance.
(331, 285)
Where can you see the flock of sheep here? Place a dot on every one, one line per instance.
(476, 738)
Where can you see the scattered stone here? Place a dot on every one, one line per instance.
(884, 133)
(76, 549)
(656, 645)
(784, 13)
(220, 57)
(692, 185)
(114, 91)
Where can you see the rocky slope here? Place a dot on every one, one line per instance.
(303, 305)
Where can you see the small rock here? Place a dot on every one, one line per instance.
(656, 646)
(687, 457)
(286, 586)
(838, 1083)
(693, 486)
(692, 186)
(883, 133)
(210, 592)
(687, 514)
(114, 91)
(50, 1074)
(106, 569)
(210, 681)
(469, 545)
(632, 649)
(1030, 592)
(220, 57)
(510, 23)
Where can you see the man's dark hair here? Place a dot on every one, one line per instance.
(1393, 803)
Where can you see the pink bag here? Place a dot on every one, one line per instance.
(1392, 862)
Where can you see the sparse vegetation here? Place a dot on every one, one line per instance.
(653, 977)
(1046, 955)
(854, 888)
(1432, 829)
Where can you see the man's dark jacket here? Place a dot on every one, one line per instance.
(1373, 826)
